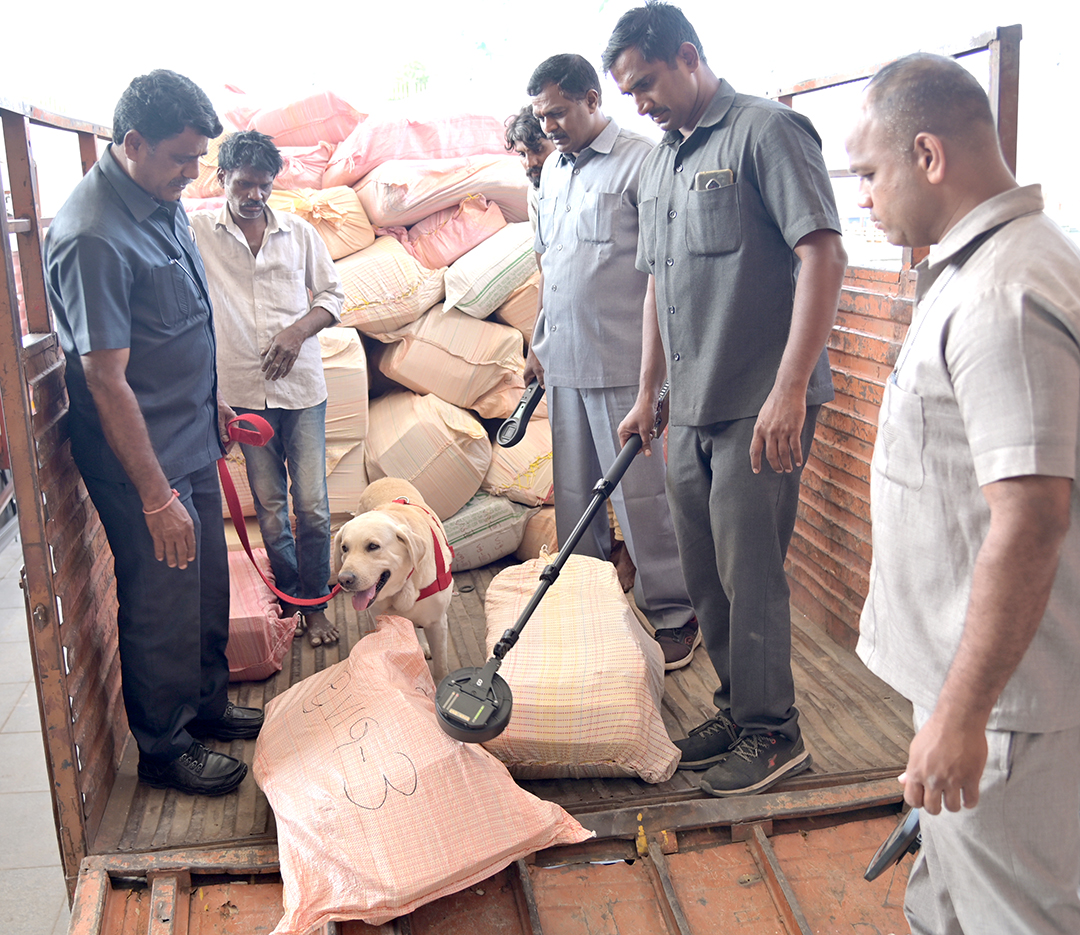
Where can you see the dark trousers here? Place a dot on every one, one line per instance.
(173, 625)
(733, 529)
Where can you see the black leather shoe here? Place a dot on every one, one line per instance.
(198, 772)
(235, 724)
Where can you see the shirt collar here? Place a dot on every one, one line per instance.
(602, 145)
(274, 221)
(716, 111)
(138, 200)
(993, 212)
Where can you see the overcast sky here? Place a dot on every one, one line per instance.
(478, 55)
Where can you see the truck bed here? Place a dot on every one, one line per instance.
(856, 727)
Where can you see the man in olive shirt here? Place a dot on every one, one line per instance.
(740, 238)
(133, 315)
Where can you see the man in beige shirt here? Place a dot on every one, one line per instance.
(262, 267)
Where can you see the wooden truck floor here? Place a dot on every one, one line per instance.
(856, 728)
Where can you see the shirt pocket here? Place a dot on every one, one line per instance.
(901, 436)
(713, 224)
(596, 218)
(173, 294)
(545, 219)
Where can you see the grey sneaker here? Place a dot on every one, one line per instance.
(708, 742)
(756, 763)
(679, 643)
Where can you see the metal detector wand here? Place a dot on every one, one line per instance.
(474, 705)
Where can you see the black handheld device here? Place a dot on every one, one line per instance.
(513, 429)
(905, 839)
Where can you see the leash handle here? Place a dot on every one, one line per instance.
(259, 436)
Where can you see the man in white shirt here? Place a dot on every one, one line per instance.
(274, 288)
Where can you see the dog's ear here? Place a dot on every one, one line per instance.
(335, 555)
(414, 545)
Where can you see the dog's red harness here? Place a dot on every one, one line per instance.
(443, 577)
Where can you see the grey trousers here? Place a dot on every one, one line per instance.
(1011, 864)
(733, 528)
(584, 432)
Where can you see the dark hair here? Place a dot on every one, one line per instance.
(572, 73)
(162, 105)
(925, 93)
(656, 30)
(523, 127)
(249, 148)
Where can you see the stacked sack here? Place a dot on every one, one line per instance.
(426, 220)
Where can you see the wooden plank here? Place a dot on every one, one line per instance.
(711, 811)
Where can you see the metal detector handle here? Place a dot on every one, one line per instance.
(601, 492)
(513, 429)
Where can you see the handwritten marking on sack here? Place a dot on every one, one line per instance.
(368, 764)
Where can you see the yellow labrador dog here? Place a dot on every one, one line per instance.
(393, 557)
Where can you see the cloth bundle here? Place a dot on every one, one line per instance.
(587, 679)
(259, 637)
(377, 810)
(452, 355)
(336, 213)
(487, 276)
(381, 139)
(403, 191)
(385, 288)
(440, 449)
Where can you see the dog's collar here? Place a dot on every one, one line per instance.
(443, 576)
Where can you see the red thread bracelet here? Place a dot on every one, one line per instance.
(175, 495)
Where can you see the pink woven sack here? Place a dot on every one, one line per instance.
(380, 139)
(438, 240)
(259, 637)
(377, 810)
(305, 122)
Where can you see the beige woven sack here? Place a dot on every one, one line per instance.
(523, 472)
(540, 534)
(587, 679)
(487, 528)
(519, 310)
(443, 451)
(488, 275)
(335, 213)
(345, 369)
(456, 357)
(385, 288)
(377, 810)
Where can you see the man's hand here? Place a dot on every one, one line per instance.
(778, 431)
(945, 764)
(534, 370)
(641, 420)
(225, 414)
(173, 533)
(279, 357)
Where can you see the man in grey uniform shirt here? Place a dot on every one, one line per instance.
(740, 236)
(587, 342)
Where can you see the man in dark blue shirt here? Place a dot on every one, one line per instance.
(129, 295)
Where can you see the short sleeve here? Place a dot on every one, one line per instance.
(792, 177)
(1016, 372)
(323, 279)
(93, 283)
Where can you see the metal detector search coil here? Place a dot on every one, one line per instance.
(513, 429)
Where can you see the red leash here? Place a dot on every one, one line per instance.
(259, 436)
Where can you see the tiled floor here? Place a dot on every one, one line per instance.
(33, 899)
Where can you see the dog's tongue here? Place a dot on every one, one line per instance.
(362, 599)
